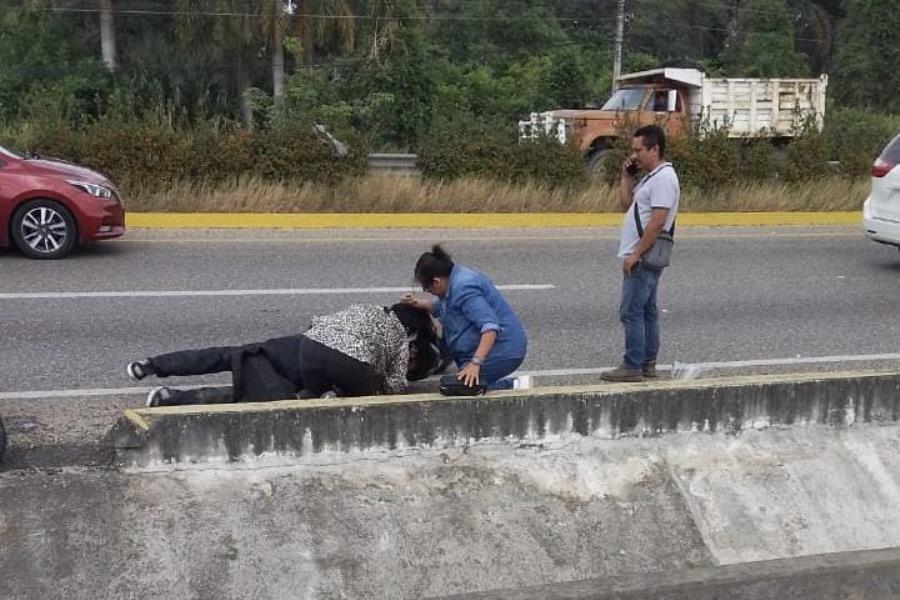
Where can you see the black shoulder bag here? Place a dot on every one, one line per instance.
(657, 257)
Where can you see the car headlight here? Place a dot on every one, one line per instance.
(97, 191)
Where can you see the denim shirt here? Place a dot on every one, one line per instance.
(473, 305)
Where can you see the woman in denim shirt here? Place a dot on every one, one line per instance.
(480, 330)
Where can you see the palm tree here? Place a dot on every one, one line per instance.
(319, 21)
(274, 17)
(108, 34)
(233, 28)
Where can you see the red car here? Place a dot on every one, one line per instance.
(48, 206)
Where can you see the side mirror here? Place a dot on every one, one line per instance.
(671, 100)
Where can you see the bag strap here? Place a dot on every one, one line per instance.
(637, 217)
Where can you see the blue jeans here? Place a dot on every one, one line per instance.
(494, 371)
(640, 317)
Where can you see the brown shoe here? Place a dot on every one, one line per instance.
(622, 374)
(649, 370)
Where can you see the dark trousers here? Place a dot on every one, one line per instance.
(262, 371)
(276, 369)
(324, 369)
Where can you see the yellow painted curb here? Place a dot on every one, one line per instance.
(467, 221)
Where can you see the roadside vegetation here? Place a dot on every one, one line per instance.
(209, 105)
(398, 194)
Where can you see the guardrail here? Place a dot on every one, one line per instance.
(405, 164)
(393, 164)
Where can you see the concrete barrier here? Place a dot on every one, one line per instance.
(661, 489)
(869, 574)
(300, 430)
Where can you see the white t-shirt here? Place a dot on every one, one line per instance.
(658, 189)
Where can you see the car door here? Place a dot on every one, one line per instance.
(656, 111)
(884, 201)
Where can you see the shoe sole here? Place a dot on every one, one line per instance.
(152, 398)
(131, 372)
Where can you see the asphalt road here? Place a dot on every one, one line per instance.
(731, 295)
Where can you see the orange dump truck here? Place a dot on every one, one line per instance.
(677, 99)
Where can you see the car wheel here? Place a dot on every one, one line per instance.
(44, 229)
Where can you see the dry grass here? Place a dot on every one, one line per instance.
(373, 194)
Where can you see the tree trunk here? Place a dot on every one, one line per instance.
(242, 78)
(278, 67)
(108, 35)
(307, 39)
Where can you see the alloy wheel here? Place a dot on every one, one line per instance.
(44, 229)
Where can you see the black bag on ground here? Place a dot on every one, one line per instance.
(451, 386)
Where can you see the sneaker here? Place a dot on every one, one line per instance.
(139, 369)
(622, 374)
(522, 382)
(158, 396)
(649, 370)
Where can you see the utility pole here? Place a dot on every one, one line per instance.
(620, 35)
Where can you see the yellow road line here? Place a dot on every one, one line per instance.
(484, 238)
(467, 221)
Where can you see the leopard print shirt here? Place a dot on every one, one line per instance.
(369, 334)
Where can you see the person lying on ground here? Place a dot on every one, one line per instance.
(362, 350)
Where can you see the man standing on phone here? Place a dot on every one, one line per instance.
(650, 209)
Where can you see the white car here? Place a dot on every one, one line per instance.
(881, 211)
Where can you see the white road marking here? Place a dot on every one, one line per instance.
(737, 364)
(260, 292)
(763, 362)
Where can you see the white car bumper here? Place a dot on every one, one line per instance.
(879, 229)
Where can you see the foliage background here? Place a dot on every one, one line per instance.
(193, 94)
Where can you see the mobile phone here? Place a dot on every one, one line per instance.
(632, 168)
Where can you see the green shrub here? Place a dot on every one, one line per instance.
(807, 154)
(757, 162)
(855, 137)
(476, 150)
(704, 158)
(143, 154)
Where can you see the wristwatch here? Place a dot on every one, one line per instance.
(477, 360)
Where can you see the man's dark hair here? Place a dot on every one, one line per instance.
(653, 135)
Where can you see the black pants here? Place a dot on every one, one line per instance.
(260, 372)
(276, 369)
(324, 369)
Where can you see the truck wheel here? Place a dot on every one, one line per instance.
(595, 163)
(44, 229)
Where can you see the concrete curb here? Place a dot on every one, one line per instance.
(303, 430)
(469, 221)
(870, 574)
